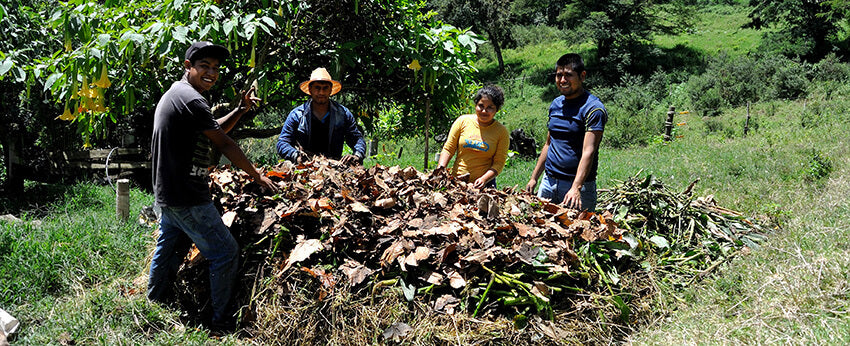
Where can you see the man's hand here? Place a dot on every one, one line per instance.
(573, 198)
(249, 99)
(532, 183)
(267, 184)
(350, 160)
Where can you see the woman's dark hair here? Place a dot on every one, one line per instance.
(493, 92)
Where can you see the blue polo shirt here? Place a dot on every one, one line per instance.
(569, 120)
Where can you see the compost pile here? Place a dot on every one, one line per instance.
(433, 239)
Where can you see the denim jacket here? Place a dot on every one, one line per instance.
(295, 135)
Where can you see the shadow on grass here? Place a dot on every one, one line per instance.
(38, 199)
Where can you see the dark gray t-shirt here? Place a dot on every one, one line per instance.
(179, 149)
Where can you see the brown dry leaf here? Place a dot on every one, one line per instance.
(432, 278)
(228, 217)
(269, 220)
(420, 254)
(479, 256)
(541, 291)
(194, 256)
(456, 212)
(447, 303)
(224, 177)
(385, 203)
(302, 251)
(292, 210)
(397, 331)
(440, 200)
(355, 271)
(446, 252)
(392, 252)
(391, 227)
(415, 223)
(327, 279)
(525, 231)
(455, 280)
(527, 252)
(358, 207)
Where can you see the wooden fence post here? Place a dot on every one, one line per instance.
(668, 125)
(122, 200)
(747, 123)
(427, 127)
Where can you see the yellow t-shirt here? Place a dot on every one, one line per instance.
(478, 148)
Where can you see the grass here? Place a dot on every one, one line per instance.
(718, 28)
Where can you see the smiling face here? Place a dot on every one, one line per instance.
(203, 74)
(486, 110)
(569, 82)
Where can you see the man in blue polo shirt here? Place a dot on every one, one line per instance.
(570, 155)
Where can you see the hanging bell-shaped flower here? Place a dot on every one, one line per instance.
(66, 115)
(414, 65)
(103, 82)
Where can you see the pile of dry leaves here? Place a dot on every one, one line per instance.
(443, 245)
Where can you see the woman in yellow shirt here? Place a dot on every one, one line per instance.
(480, 141)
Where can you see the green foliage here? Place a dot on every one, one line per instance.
(635, 110)
(622, 32)
(730, 81)
(818, 167)
(804, 28)
(116, 58)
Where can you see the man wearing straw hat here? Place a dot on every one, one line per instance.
(320, 126)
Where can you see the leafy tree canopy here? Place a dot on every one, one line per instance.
(109, 62)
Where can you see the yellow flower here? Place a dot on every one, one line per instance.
(104, 79)
(66, 115)
(415, 65)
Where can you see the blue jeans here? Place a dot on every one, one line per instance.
(178, 228)
(555, 189)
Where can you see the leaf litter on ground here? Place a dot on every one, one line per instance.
(436, 240)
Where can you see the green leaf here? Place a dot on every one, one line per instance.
(50, 80)
(103, 39)
(6, 66)
(19, 74)
(269, 22)
(659, 241)
(180, 34)
(409, 290)
(625, 311)
(228, 26)
(520, 321)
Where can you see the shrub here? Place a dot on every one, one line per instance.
(830, 68)
(635, 113)
(818, 167)
(525, 35)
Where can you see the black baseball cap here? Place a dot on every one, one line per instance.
(203, 49)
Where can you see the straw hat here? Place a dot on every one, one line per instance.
(320, 74)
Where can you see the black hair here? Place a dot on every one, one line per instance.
(571, 60)
(493, 92)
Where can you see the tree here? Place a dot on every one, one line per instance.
(104, 65)
(622, 31)
(492, 17)
(805, 28)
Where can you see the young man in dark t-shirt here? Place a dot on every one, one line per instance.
(184, 129)
(570, 154)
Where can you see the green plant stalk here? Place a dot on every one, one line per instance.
(484, 295)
